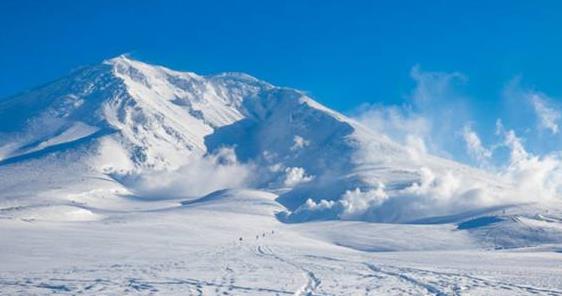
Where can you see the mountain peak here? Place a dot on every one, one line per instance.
(119, 58)
(123, 64)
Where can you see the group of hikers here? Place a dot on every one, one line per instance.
(241, 239)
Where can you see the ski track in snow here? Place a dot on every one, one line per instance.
(312, 281)
(236, 260)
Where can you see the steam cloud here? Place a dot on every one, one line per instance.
(201, 176)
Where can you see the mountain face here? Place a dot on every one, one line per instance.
(83, 138)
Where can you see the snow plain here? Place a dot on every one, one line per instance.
(194, 248)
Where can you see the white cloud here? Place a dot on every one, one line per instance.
(432, 195)
(416, 148)
(548, 117)
(202, 175)
(356, 203)
(535, 178)
(353, 205)
(434, 86)
(295, 176)
(398, 122)
(299, 143)
(527, 106)
(514, 143)
(434, 111)
(474, 146)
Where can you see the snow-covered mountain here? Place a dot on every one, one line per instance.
(126, 123)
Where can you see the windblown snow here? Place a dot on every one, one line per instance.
(130, 178)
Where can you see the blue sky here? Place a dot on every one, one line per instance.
(344, 53)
